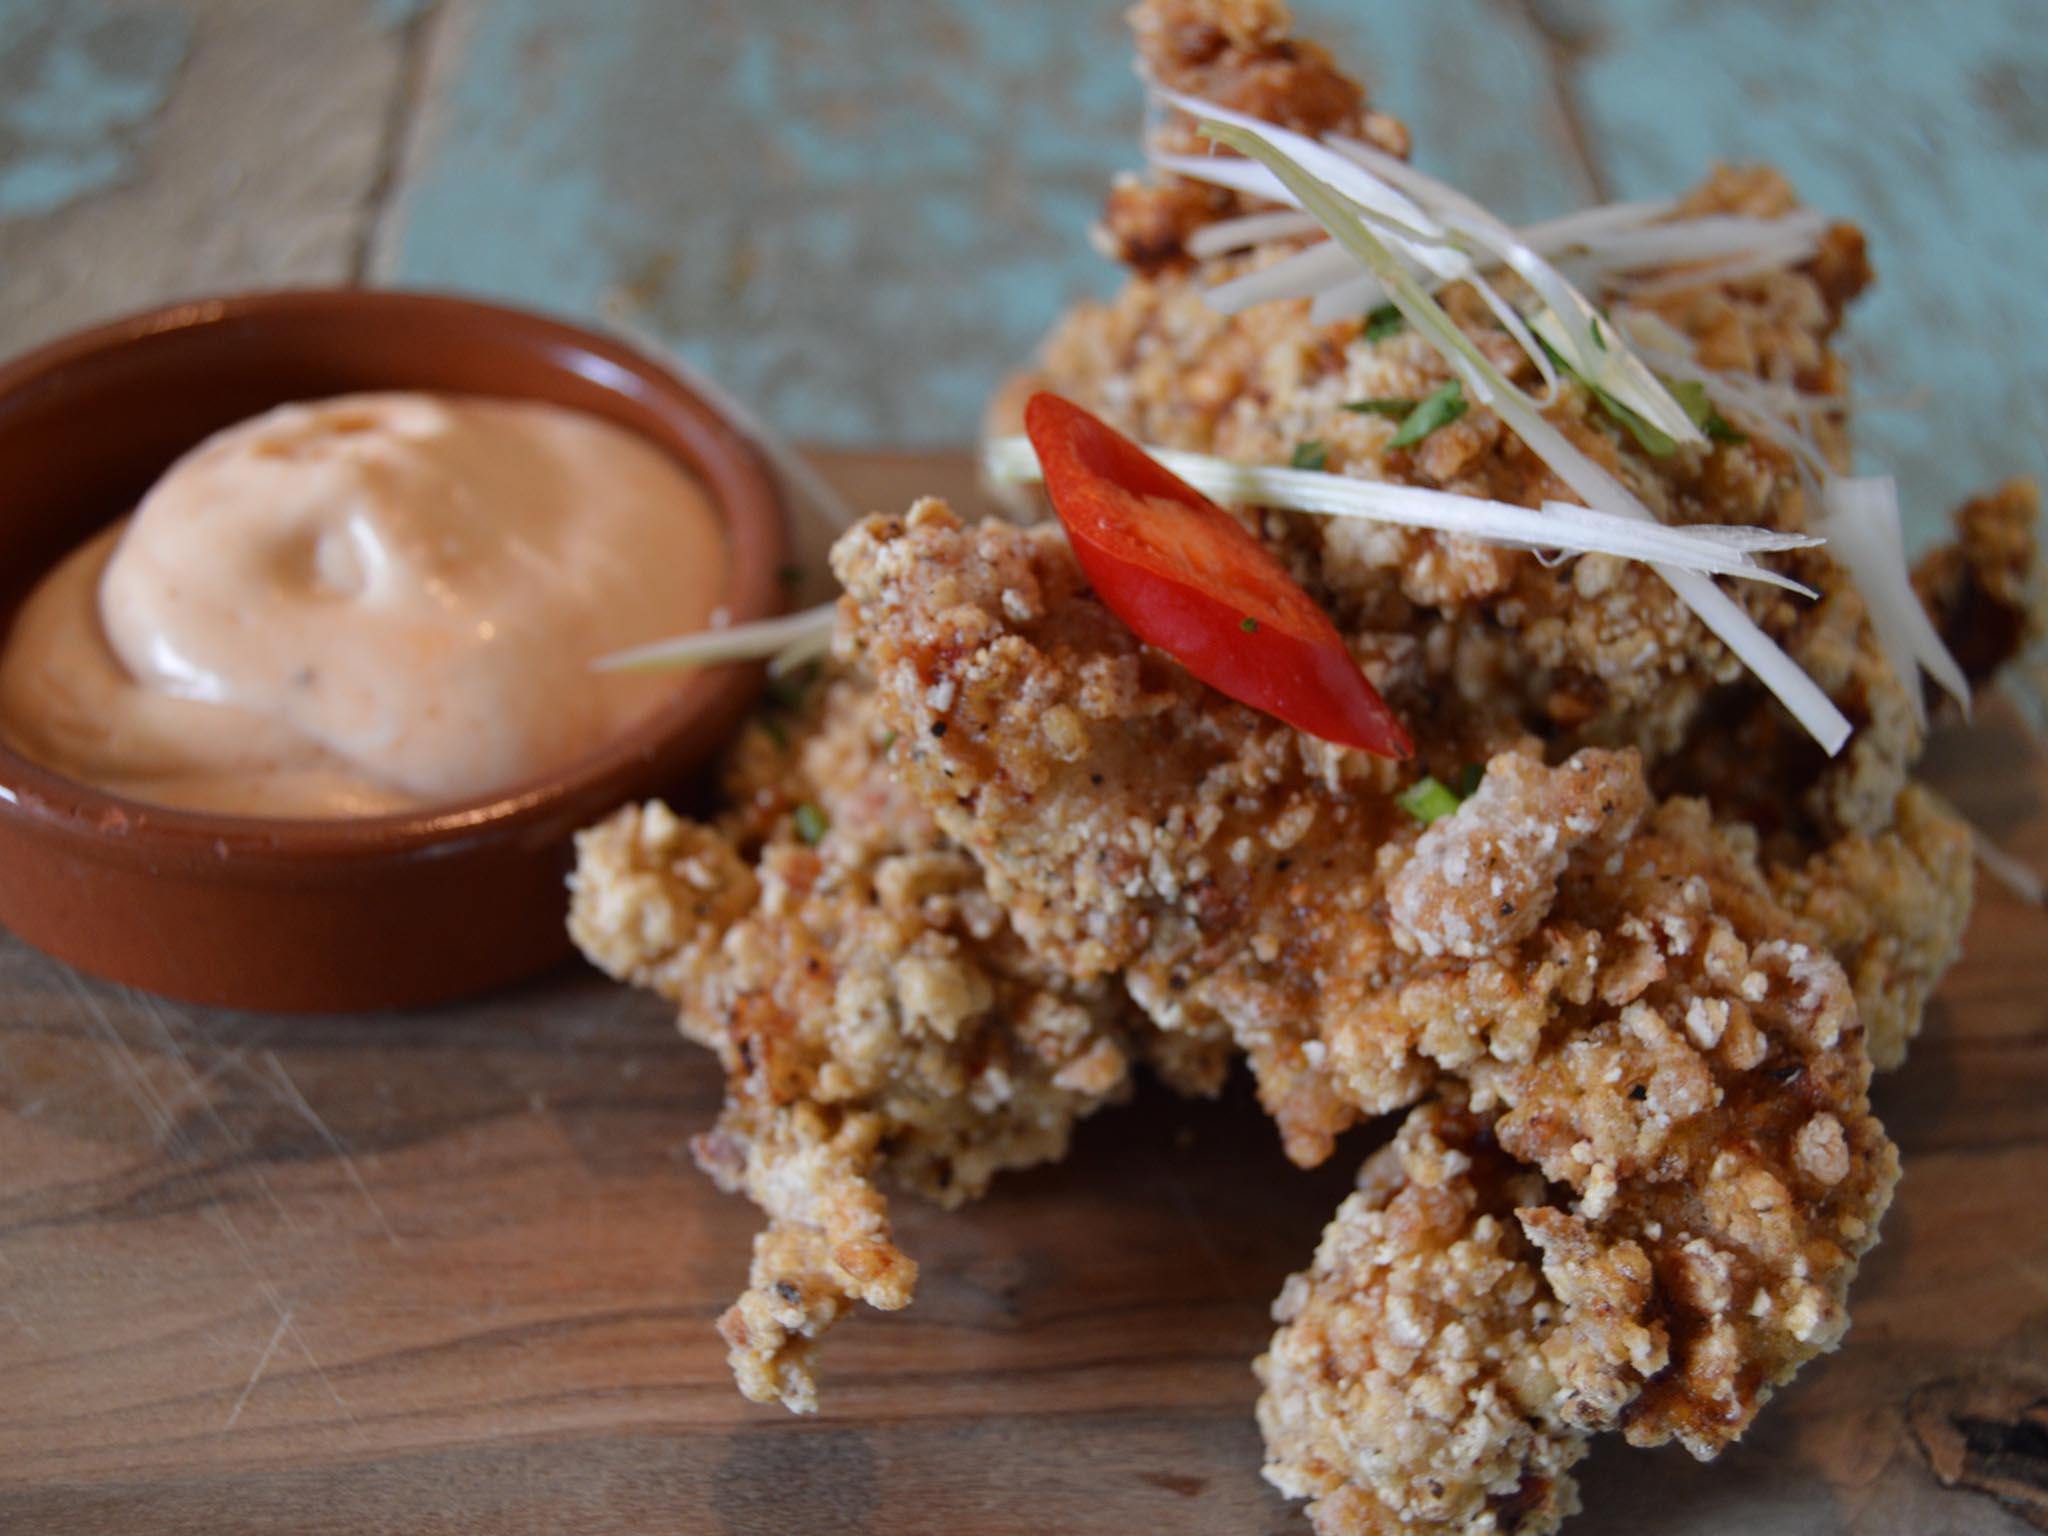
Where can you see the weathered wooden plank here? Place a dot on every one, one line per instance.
(860, 216)
(1926, 125)
(154, 150)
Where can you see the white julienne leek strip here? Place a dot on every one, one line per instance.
(1858, 513)
(1577, 334)
(1861, 518)
(1249, 229)
(2008, 871)
(1567, 526)
(1299, 276)
(1586, 227)
(1356, 295)
(1783, 241)
(1347, 222)
(1420, 238)
(1590, 347)
(790, 640)
(1431, 225)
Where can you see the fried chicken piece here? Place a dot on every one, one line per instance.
(1644, 1222)
(1596, 652)
(1407, 1388)
(1636, 1018)
(1476, 645)
(873, 1013)
(1238, 53)
(1986, 591)
(1892, 909)
(1129, 819)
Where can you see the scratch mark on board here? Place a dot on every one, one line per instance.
(194, 1088)
(284, 1322)
(297, 1100)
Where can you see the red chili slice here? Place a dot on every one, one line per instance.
(1187, 578)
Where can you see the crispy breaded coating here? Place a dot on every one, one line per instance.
(1635, 1015)
(1238, 53)
(1486, 877)
(1892, 909)
(1594, 652)
(1407, 1388)
(1627, 994)
(1986, 591)
(1476, 646)
(1701, 1092)
(1130, 819)
(1642, 1214)
(873, 1013)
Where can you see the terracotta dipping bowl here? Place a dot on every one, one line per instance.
(378, 912)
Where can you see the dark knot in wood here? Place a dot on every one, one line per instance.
(1988, 1434)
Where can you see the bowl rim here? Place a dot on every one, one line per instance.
(721, 455)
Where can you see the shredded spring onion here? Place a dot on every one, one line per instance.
(790, 640)
(2010, 872)
(1348, 221)
(1432, 228)
(1724, 551)
(1251, 229)
(786, 642)
(1861, 519)
(1859, 514)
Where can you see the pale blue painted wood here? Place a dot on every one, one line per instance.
(1925, 123)
(864, 215)
(77, 82)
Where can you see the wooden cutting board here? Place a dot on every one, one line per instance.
(454, 1271)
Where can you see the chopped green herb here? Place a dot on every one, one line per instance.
(1427, 800)
(1652, 439)
(811, 824)
(1692, 394)
(1309, 455)
(790, 575)
(888, 741)
(1385, 321)
(1699, 405)
(1439, 410)
(1382, 405)
(773, 730)
(1468, 779)
(1248, 624)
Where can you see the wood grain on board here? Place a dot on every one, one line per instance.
(454, 1271)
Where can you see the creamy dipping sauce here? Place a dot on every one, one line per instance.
(363, 605)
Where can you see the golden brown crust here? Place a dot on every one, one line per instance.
(1407, 1388)
(1643, 1212)
(1240, 54)
(1986, 590)
(871, 1008)
(1595, 652)
(1892, 908)
(1639, 1020)
(1642, 1167)
(1129, 819)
